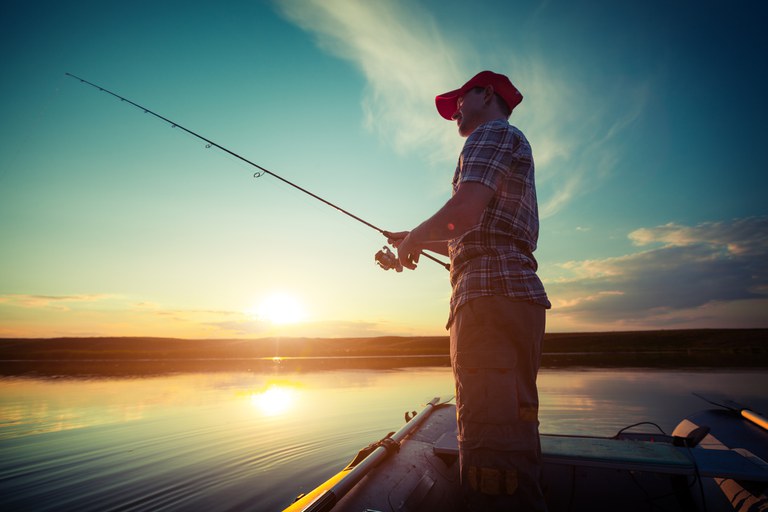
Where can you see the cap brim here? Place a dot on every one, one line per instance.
(446, 103)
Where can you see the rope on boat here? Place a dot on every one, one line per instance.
(386, 442)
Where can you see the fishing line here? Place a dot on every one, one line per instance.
(261, 170)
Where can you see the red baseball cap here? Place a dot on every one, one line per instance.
(446, 102)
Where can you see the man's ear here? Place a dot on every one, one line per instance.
(488, 93)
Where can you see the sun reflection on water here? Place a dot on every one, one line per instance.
(274, 400)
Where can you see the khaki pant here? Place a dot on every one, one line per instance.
(495, 355)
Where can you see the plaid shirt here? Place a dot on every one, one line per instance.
(496, 256)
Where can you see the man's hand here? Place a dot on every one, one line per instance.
(407, 252)
(394, 238)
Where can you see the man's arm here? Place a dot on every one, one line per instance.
(461, 213)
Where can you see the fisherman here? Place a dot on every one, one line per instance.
(489, 228)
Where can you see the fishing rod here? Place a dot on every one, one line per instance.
(385, 258)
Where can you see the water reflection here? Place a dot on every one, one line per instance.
(36, 406)
(254, 440)
(275, 400)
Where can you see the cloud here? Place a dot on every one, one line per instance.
(243, 326)
(229, 323)
(57, 302)
(115, 315)
(208, 322)
(739, 238)
(574, 136)
(688, 275)
(406, 59)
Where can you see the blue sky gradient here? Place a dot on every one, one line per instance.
(647, 123)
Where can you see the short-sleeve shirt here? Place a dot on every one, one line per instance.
(496, 256)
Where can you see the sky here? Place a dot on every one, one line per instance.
(647, 123)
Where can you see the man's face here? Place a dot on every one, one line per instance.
(468, 109)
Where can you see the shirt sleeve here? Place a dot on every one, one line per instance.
(486, 156)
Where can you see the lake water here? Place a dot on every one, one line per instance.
(253, 440)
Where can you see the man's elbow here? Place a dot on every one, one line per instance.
(463, 222)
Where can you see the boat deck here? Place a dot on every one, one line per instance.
(655, 457)
(634, 473)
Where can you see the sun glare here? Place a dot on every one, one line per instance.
(273, 401)
(279, 308)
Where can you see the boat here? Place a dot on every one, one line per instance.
(713, 461)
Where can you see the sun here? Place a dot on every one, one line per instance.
(279, 308)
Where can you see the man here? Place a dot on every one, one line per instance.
(489, 228)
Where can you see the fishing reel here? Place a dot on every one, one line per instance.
(387, 260)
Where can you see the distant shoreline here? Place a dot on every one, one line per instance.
(716, 348)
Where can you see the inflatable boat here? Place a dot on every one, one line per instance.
(713, 461)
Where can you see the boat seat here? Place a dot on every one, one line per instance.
(634, 455)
